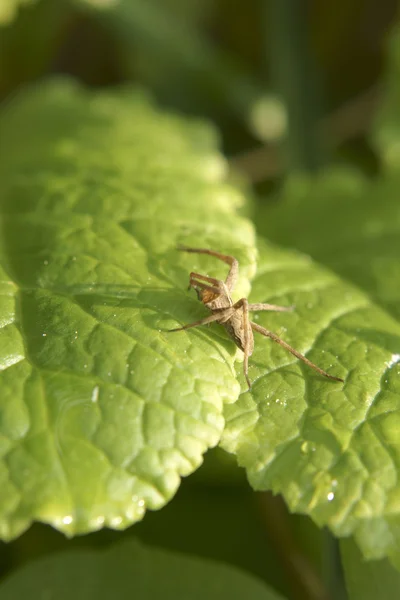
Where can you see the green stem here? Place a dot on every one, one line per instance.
(295, 79)
(332, 567)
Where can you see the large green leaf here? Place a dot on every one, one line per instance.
(101, 409)
(351, 225)
(331, 449)
(346, 222)
(130, 570)
(368, 580)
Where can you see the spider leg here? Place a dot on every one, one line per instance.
(198, 285)
(246, 369)
(231, 279)
(247, 341)
(274, 307)
(246, 326)
(205, 278)
(220, 314)
(217, 286)
(295, 353)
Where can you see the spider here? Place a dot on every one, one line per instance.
(216, 296)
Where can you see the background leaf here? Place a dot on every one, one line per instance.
(355, 231)
(131, 569)
(351, 224)
(345, 220)
(368, 580)
(102, 410)
(330, 449)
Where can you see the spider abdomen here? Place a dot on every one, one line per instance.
(238, 336)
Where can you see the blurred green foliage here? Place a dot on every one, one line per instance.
(308, 87)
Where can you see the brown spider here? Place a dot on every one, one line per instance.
(216, 296)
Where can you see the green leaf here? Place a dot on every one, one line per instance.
(346, 222)
(9, 9)
(330, 449)
(131, 570)
(351, 225)
(163, 47)
(101, 409)
(29, 44)
(368, 580)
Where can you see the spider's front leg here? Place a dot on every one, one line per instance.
(214, 294)
(220, 315)
(196, 281)
(231, 279)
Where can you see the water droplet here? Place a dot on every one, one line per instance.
(67, 520)
(304, 447)
(44, 334)
(395, 358)
(46, 262)
(330, 496)
(95, 393)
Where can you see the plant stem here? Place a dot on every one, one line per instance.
(294, 77)
(332, 567)
(349, 121)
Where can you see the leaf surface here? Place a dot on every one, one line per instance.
(368, 579)
(102, 410)
(129, 569)
(331, 449)
(351, 224)
(345, 220)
